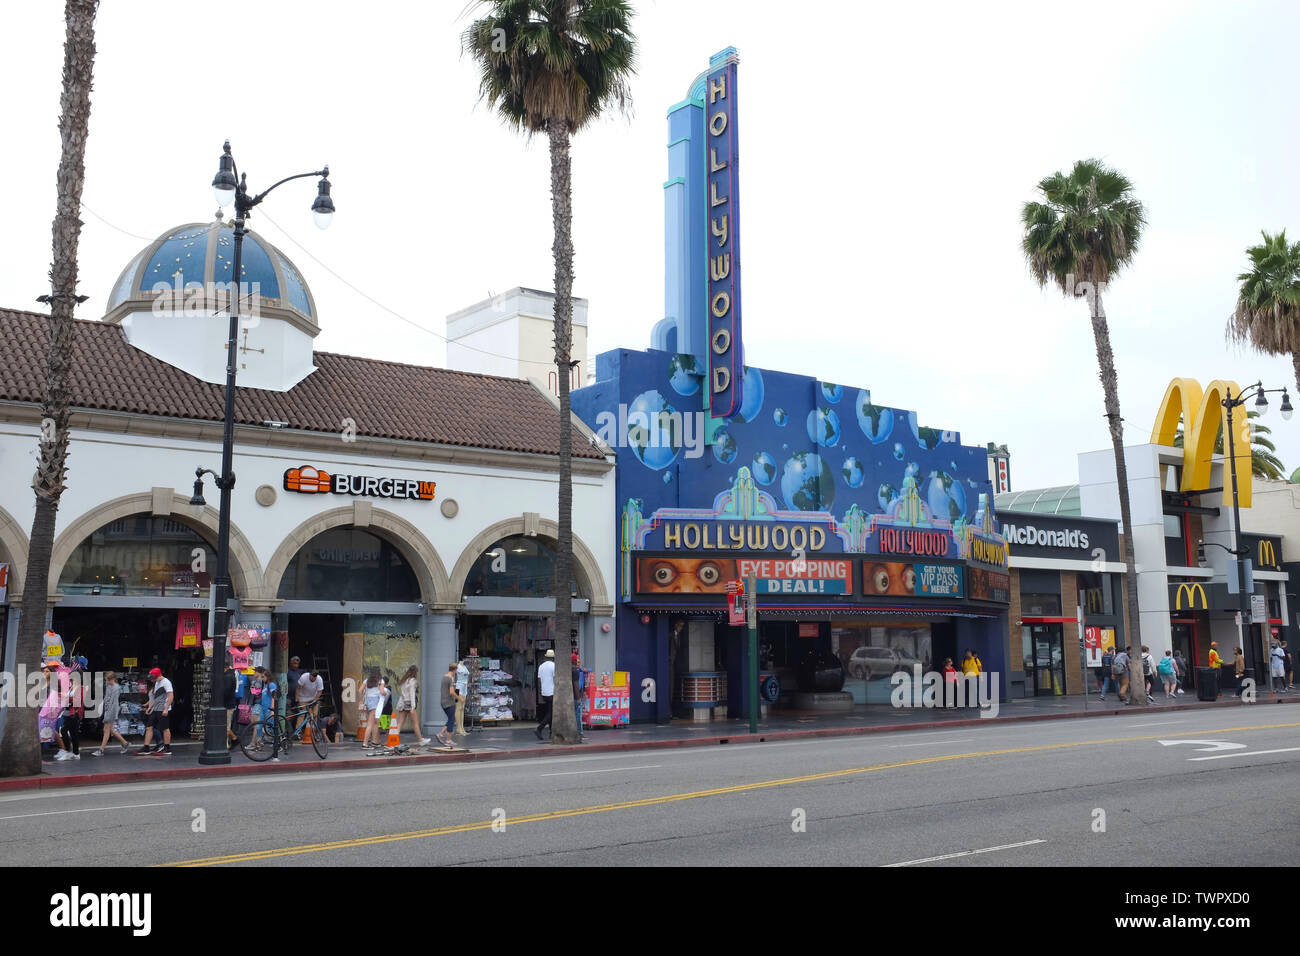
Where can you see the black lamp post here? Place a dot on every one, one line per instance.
(229, 185)
(1237, 551)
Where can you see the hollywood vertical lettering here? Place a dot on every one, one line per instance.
(726, 368)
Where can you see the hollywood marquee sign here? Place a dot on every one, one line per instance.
(726, 369)
(309, 480)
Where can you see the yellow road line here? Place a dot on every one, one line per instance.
(268, 854)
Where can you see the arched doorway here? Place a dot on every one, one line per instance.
(509, 623)
(351, 604)
(135, 595)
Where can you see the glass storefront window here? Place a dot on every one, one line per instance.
(1040, 605)
(872, 653)
(1097, 593)
(141, 555)
(517, 566)
(348, 564)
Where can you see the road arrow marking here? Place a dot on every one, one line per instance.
(1249, 753)
(1211, 745)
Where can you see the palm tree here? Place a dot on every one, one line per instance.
(553, 66)
(1264, 462)
(1084, 233)
(1268, 307)
(20, 751)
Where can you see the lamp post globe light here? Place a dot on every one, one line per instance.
(229, 186)
(1237, 551)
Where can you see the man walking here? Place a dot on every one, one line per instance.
(577, 695)
(545, 692)
(1120, 668)
(292, 677)
(1107, 674)
(158, 708)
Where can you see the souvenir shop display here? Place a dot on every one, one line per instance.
(130, 715)
(491, 697)
(518, 646)
(202, 670)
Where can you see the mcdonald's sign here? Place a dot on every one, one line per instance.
(1267, 555)
(1203, 414)
(1189, 593)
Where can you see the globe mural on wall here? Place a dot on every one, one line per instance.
(650, 430)
(877, 423)
(824, 427)
(753, 401)
(764, 468)
(684, 374)
(807, 483)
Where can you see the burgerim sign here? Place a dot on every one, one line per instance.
(307, 480)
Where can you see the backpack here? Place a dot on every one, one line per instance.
(1148, 668)
(1166, 666)
(1118, 668)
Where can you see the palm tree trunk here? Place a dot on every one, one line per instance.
(1110, 388)
(1295, 364)
(563, 725)
(20, 752)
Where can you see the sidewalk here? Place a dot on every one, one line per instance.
(520, 741)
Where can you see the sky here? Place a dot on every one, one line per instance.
(887, 151)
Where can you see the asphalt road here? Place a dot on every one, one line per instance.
(1029, 794)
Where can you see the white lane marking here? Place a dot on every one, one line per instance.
(49, 813)
(1157, 723)
(570, 773)
(1248, 753)
(1210, 745)
(928, 743)
(953, 856)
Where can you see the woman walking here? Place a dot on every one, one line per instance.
(406, 704)
(1168, 674)
(112, 708)
(374, 699)
(447, 698)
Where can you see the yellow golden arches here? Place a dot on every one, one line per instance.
(1202, 413)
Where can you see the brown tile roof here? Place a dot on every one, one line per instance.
(385, 399)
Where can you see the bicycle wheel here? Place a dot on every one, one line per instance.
(257, 740)
(318, 739)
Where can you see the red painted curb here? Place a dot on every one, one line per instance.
(45, 782)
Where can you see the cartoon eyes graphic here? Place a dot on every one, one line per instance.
(709, 573)
(664, 574)
(879, 578)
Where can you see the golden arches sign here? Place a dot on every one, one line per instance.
(1190, 591)
(1267, 555)
(1202, 414)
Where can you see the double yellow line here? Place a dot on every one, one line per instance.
(268, 854)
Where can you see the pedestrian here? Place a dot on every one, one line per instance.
(158, 710)
(291, 678)
(949, 683)
(1216, 663)
(1120, 669)
(545, 692)
(576, 677)
(1183, 673)
(462, 688)
(269, 697)
(1107, 677)
(229, 700)
(406, 704)
(70, 730)
(52, 710)
(1148, 668)
(373, 699)
(1276, 668)
(333, 729)
(109, 712)
(1290, 671)
(1169, 673)
(447, 697)
(385, 709)
(971, 664)
(1239, 669)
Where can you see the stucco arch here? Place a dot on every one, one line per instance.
(245, 569)
(586, 569)
(14, 540)
(404, 536)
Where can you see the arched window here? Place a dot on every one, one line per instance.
(348, 564)
(140, 555)
(517, 566)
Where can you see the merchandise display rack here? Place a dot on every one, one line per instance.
(484, 685)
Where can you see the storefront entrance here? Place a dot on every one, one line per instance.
(1044, 659)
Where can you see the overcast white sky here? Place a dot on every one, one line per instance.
(887, 151)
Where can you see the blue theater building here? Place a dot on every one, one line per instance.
(870, 538)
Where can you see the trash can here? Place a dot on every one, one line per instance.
(1207, 683)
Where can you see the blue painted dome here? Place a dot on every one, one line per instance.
(203, 253)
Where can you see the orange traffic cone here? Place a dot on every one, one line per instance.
(394, 735)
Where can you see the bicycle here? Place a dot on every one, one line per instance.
(265, 739)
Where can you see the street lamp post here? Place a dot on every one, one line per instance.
(228, 185)
(1237, 551)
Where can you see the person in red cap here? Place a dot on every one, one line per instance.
(159, 709)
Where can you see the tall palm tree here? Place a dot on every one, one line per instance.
(1083, 233)
(20, 751)
(1268, 306)
(1264, 462)
(553, 66)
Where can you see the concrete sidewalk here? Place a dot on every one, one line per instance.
(520, 741)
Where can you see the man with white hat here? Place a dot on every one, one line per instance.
(545, 692)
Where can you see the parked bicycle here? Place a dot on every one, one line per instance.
(264, 739)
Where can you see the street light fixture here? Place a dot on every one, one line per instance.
(1237, 551)
(229, 186)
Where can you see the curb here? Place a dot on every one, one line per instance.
(50, 782)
